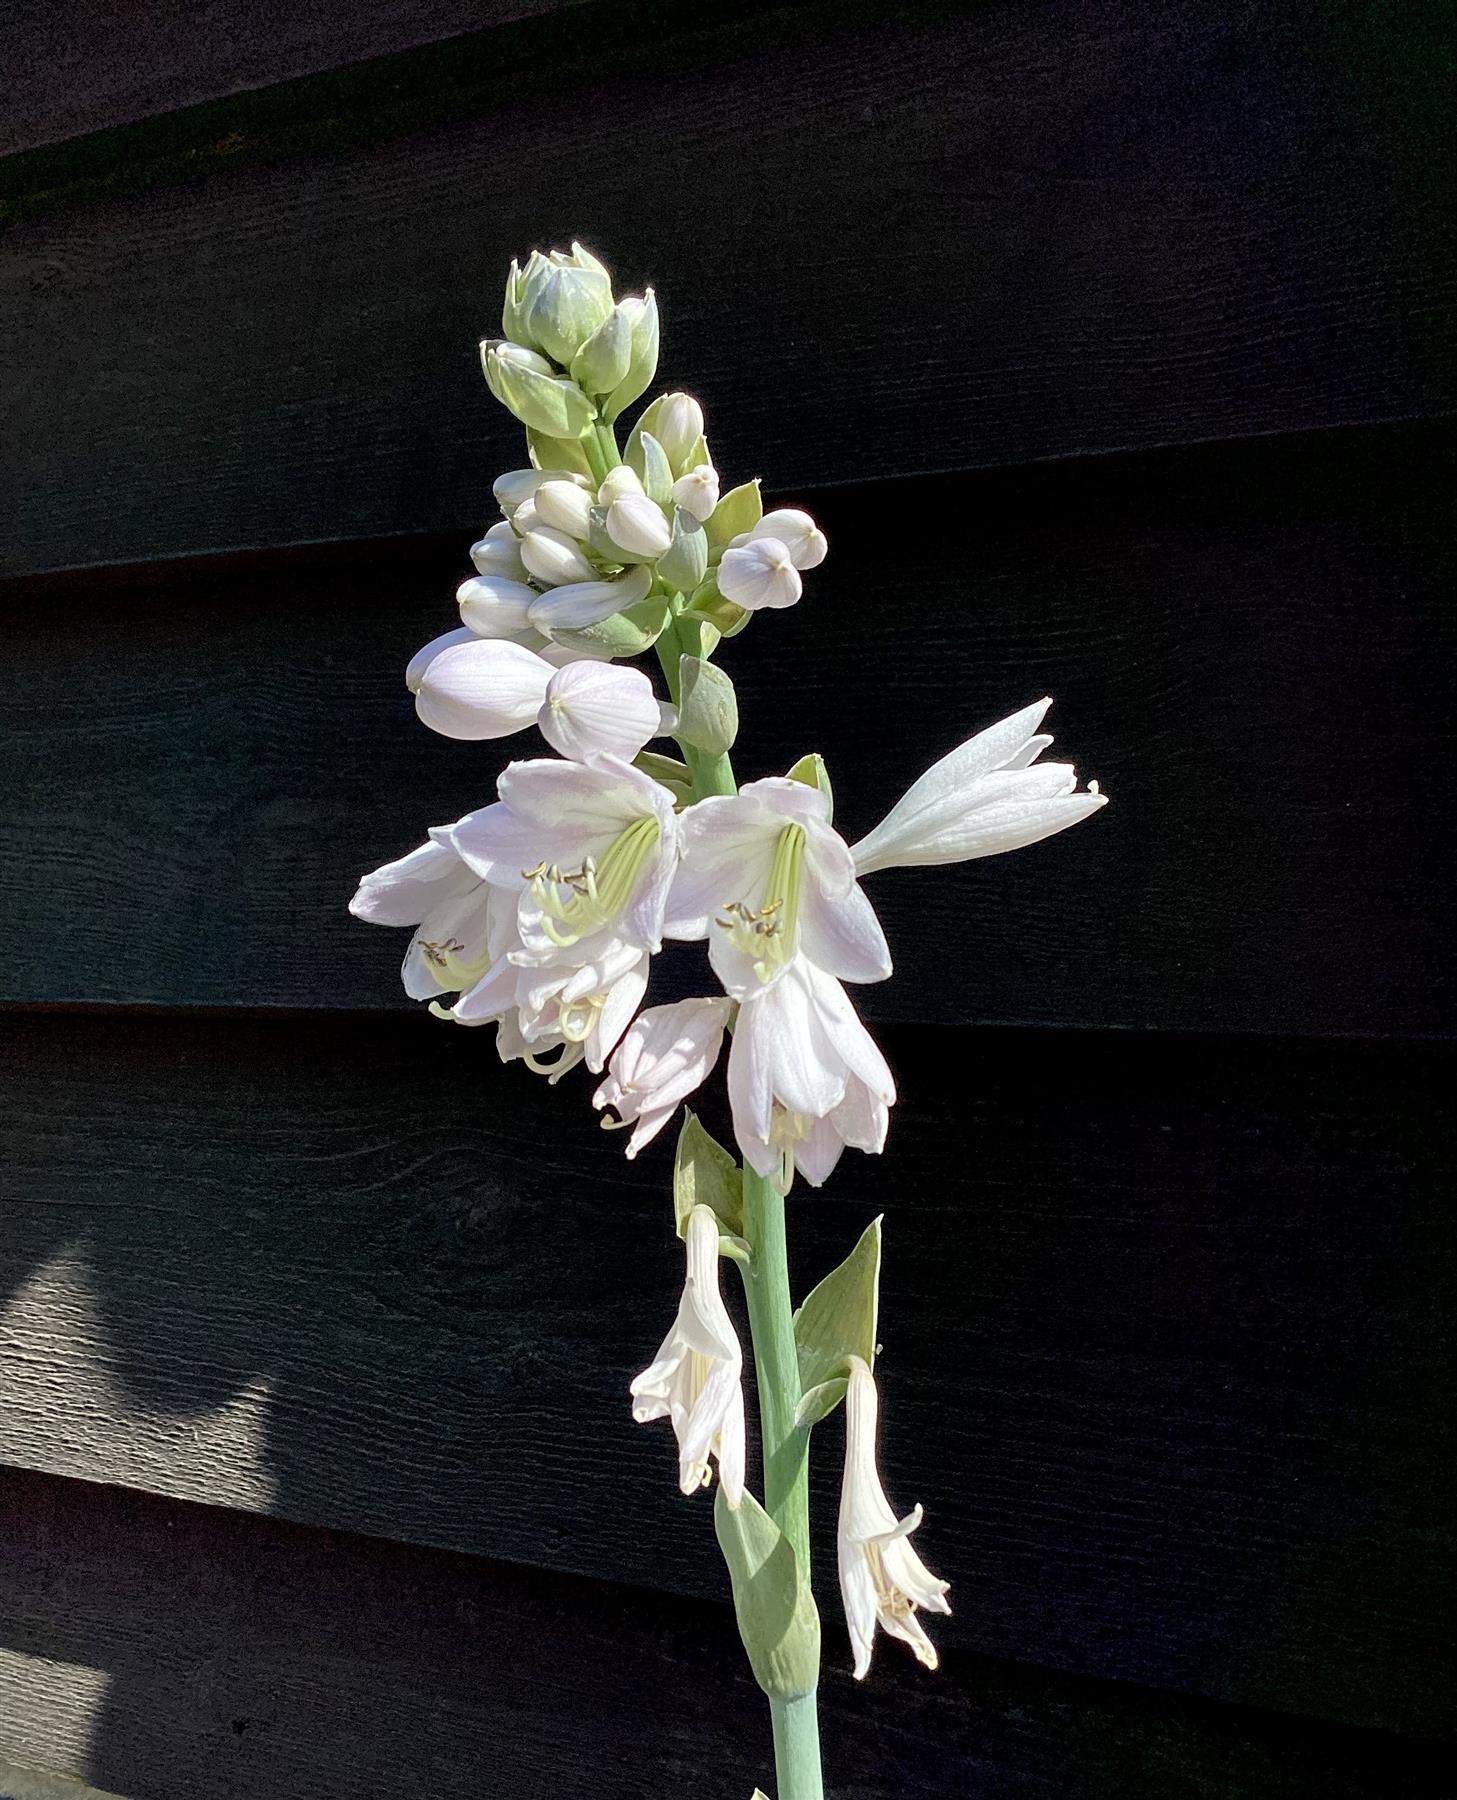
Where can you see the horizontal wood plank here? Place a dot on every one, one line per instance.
(1167, 1324)
(246, 1660)
(1251, 647)
(1090, 227)
(87, 65)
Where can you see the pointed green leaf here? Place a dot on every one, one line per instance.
(740, 509)
(772, 1602)
(656, 473)
(819, 1402)
(812, 772)
(704, 1174)
(838, 1319)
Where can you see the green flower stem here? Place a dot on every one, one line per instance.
(606, 439)
(797, 1748)
(711, 774)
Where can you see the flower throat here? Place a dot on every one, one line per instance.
(769, 934)
(597, 892)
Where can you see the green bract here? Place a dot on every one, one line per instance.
(838, 1318)
(708, 710)
(704, 1174)
(546, 403)
(776, 1612)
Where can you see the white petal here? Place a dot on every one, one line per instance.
(499, 553)
(577, 604)
(555, 558)
(759, 574)
(493, 607)
(697, 491)
(565, 507)
(592, 707)
(1002, 811)
(484, 689)
(797, 531)
(422, 659)
(679, 427)
(618, 483)
(403, 891)
(843, 937)
(637, 526)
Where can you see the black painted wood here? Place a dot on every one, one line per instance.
(246, 1660)
(1251, 646)
(77, 66)
(1167, 1325)
(1090, 227)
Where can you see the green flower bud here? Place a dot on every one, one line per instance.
(513, 314)
(685, 562)
(526, 386)
(564, 298)
(642, 316)
(603, 360)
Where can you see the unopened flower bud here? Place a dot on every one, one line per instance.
(637, 526)
(493, 607)
(521, 380)
(642, 317)
(554, 558)
(499, 553)
(423, 657)
(678, 427)
(619, 481)
(519, 485)
(565, 507)
(566, 297)
(758, 574)
(697, 491)
(579, 604)
(797, 531)
(595, 707)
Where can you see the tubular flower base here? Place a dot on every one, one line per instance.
(542, 912)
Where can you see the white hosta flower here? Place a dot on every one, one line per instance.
(668, 1053)
(697, 491)
(638, 527)
(565, 506)
(588, 848)
(987, 796)
(679, 427)
(765, 877)
(494, 607)
(805, 1078)
(579, 604)
(759, 574)
(695, 1379)
(518, 485)
(554, 558)
(882, 1579)
(451, 909)
(487, 688)
(426, 654)
(499, 553)
(592, 708)
(801, 537)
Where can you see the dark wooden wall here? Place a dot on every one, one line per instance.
(1114, 348)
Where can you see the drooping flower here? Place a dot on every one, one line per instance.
(454, 914)
(989, 795)
(805, 1078)
(765, 877)
(578, 1004)
(667, 1054)
(882, 1579)
(695, 1379)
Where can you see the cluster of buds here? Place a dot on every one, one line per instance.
(542, 911)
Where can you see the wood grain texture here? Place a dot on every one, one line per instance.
(29, 1784)
(248, 1660)
(1167, 1325)
(1091, 227)
(77, 66)
(1251, 645)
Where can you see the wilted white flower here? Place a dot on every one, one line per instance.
(760, 573)
(695, 1379)
(667, 1054)
(987, 796)
(882, 1580)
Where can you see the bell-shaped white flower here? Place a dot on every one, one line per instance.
(426, 654)
(554, 558)
(668, 1053)
(882, 1579)
(696, 1378)
(588, 848)
(801, 537)
(765, 876)
(638, 527)
(760, 573)
(697, 491)
(579, 604)
(565, 506)
(494, 607)
(595, 708)
(453, 913)
(499, 553)
(487, 688)
(987, 796)
(577, 1002)
(805, 1078)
